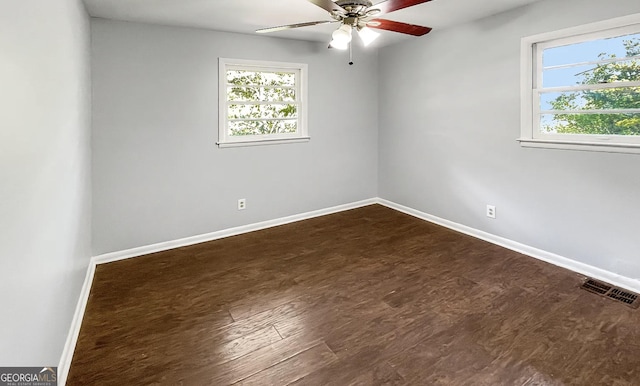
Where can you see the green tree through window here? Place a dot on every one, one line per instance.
(261, 103)
(610, 123)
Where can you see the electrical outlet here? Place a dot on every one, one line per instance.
(491, 211)
(242, 204)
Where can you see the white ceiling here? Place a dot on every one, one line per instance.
(245, 16)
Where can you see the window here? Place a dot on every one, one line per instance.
(261, 102)
(581, 87)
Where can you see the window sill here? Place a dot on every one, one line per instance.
(261, 142)
(583, 146)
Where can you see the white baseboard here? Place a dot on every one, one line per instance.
(552, 258)
(76, 323)
(74, 331)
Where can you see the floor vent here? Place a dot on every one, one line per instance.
(627, 297)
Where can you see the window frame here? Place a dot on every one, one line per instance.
(532, 48)
(301, 84)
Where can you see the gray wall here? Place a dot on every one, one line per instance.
(157, 173)
(448, 127)
(44, 175)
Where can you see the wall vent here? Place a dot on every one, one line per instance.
(607, 290)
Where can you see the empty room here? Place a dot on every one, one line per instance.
(317, 192)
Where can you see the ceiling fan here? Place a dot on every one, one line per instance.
(360, 15)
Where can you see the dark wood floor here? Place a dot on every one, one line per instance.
(367, 296)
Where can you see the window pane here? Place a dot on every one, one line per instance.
(261, 94)
(592, 51)
(620, 47)
(609, 99)
(599, 124)
(241, 128)
(261, 78)
(251, 111)
(628, 70)
(560, 77)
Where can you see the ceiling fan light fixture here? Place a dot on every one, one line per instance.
(339, 44)
(367, 35)
(342, 34)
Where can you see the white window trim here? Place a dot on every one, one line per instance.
(302, 135)
(529, 135)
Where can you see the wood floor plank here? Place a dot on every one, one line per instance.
(318, 323)
(380, 374)
(365, 296)
(293, 368)
(236, 370)
(343, 371)
(258, 304)
(242, 327)
(366, 348)
(444, 358)
(246, 344)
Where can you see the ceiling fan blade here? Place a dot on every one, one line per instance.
(328, 5)
(396, 26)
(394, 5)
(290, 26)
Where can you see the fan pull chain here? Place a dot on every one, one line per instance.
(350, 54)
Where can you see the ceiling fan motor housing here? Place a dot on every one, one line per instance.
(346, 4)
(355, 9)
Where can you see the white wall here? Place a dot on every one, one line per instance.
(157, 173)
(448, 127)
(44, 175)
